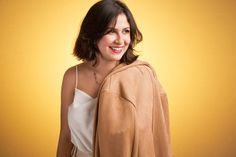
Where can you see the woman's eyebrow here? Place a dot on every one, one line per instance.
(116, 28)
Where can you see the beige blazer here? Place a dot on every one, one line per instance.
(132, 118)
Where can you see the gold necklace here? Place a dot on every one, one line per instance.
(95, 78)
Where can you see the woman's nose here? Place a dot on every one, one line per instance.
(119, 39)
(118, 42)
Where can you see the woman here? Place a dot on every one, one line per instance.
(112, 104)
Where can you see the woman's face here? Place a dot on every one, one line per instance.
(116, 40)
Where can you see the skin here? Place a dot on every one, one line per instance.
(112, 47)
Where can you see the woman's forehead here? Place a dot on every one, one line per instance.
(120, 21)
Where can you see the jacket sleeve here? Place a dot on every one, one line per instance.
(161, 130)
(115, 126)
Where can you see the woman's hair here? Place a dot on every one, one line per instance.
(94, 27)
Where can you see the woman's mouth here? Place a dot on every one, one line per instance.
(116, 49)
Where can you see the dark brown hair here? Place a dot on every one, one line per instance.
(95, 25)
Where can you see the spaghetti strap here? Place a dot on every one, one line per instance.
(76, 76)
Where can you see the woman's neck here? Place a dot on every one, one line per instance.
(103, 68)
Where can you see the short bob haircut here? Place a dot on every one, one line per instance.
(94, 27)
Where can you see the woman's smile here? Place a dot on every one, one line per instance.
(117, 49)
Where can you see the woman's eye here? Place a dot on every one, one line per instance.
(126, 31)
(110, 31)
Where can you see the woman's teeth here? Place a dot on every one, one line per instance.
(116, 49)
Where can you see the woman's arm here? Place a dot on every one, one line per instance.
(67, 94)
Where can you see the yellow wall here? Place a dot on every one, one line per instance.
(190, 43)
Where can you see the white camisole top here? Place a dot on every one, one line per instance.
(81, 122)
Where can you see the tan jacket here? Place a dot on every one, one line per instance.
(132, 114)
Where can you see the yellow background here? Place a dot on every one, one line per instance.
(190, 43)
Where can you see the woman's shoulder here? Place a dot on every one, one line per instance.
(69, 74)
(71, 71)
